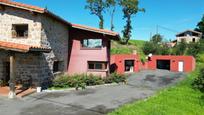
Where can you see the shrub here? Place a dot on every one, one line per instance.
(198, 82)
(200, 58)
(114, 77)
(83, 80)
(61, 82)
(1, 83)
(93, 80)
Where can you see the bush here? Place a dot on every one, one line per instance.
(61, 82)
(200, 58)
(93, 80)
(198, 83)
(83, 80)
(115, 78)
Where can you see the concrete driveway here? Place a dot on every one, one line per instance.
(93, 101)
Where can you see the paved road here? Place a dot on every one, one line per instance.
(93, 101)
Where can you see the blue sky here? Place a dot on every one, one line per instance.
(177, 15)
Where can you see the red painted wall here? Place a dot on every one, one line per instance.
(189, 62)
(78, 57)
(119, 61)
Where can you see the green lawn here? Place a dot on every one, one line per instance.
(177, 100)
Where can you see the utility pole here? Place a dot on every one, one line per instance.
(150, 35)
(157, 29)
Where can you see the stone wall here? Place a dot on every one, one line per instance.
(43, 31)
(55, 35)
(31, 68)
(11, 16)
(188, 39)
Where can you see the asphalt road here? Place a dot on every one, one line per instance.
(92, 101)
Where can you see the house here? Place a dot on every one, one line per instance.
(121, 63)
(89, 50)
(189, 36)
(36, 44)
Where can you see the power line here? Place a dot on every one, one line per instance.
(165, 28)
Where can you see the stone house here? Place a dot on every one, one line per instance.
(189, 36)
(36, 44)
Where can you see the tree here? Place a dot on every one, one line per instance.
(97, 7)
(157, 38)
(200, 26)
(130, 8)
(149, 47)
(195, 48)
(111, 6)
(180, 48)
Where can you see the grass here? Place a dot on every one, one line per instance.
(117, 48)
(177, 100)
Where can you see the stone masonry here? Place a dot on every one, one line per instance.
(34, 67)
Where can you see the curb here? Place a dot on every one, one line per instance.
(74, 89)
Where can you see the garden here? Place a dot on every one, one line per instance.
(83, 80)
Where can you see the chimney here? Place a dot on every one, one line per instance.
(134, 52)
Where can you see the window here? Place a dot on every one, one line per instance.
(56, 66)
(193, 40)
(97, 65)
(92, 43)
(20, 30)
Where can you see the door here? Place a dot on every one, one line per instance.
(6, 66)
(180, 66)
(164, 64)
(129, 65)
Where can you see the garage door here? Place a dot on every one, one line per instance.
(163, 64)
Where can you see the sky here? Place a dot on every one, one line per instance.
(169, 16)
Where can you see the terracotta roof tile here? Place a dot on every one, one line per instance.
(21, 47)
(103, 31)
(32, 8)
(21, 5)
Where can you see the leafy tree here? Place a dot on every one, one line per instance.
(163, 50)
(195, 48)
(111, 6)
(149, 47)
(198, 82)
(180, 48)
(130, 8)
(200, 26)
(97, 7)
(157, 38)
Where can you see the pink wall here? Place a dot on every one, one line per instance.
(119, 61)
(79, 57)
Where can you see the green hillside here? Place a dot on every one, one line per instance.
(117, 48)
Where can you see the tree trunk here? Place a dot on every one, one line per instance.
(101, 22)
(127, 31)
(112, 18)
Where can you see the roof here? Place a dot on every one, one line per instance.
(189, 31)
(21, 47)
(45, 11)
(102, 31)
(32, 8)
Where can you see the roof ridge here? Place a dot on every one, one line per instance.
(22, 5)
(96, 29)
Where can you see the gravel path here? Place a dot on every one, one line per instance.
(93, 101)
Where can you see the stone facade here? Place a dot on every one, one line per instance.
(43, 30)
(11, 16)
(189, 36)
